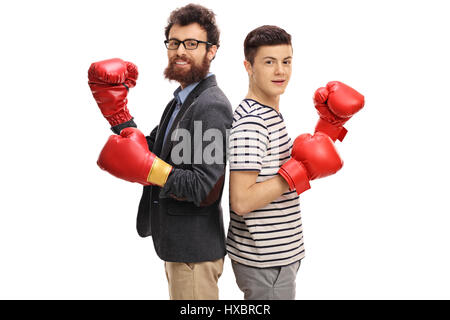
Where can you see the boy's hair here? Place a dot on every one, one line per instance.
(192, 13)
(264, 36)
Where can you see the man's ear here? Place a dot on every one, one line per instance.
(212, 52)
(248, 67)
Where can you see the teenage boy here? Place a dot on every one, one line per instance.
(181, 201)
(268, 172)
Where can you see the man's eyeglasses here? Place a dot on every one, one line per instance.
(189, 44)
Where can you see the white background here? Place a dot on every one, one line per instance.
(379, 229)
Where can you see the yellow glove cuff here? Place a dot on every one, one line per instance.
(159, 172)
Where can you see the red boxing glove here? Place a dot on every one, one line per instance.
(109, 81)
(336, 104)
(312, 157)
(127, 157)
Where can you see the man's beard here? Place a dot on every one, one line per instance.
(196, 72)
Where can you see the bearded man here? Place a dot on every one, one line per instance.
(182, 162)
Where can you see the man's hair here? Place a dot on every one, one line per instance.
(264, 36)
(192, 13)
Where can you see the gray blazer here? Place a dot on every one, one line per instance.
(185, 216)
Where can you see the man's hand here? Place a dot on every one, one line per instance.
(110, 81)
(127, 157)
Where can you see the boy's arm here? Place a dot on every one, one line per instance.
(247, 195)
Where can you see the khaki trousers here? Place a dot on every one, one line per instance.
(194, 281)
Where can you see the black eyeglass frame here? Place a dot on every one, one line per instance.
(166, 42)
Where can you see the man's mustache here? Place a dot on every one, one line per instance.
(182, 58)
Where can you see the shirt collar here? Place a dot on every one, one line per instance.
(181, 94)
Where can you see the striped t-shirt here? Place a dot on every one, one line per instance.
(272, 235)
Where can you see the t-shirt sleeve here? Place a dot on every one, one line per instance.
(249, 139)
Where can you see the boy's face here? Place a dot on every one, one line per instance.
(271, 69)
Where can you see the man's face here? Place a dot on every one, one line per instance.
(188, 66)
(271, 69)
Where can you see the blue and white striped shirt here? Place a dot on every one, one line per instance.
(273, 235)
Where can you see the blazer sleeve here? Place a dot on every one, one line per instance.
(203, 184)
(151, 138)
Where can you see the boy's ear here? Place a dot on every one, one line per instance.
(248, 67)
